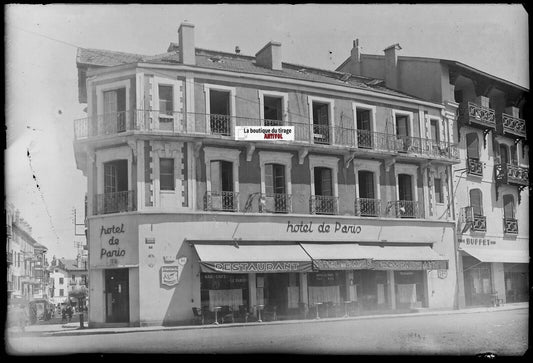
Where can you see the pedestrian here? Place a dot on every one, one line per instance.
(69, 313)
(63, 315)
(22, 317)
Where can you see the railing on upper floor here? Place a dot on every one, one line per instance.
(222, 201)
(275, 203)
(472, 114)
(507, 124)
(115, 202)
(474, 166)
(323, 204)
(404, 209)
(510, 226)
(223, 125)
(512, 174)
(368, 207)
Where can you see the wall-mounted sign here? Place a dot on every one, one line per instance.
(342, 264)
(170, 275)
(410, 265)
(264, 267)
(112, 249)
(334, 228)
(471, 241)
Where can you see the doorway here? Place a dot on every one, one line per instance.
(117, 295)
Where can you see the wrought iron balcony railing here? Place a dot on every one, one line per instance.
(275, 203)
(510, 226)
(474, 166)
(222, 201)
(512, 174)
(323, 204)
(479, 224)
(209, 124)
(507, 124)
(472, 114)
(404, 209)
(115, 202)
(368, 207)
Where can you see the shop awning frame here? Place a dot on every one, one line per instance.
(491, 255)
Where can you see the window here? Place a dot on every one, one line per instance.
(221, 176)
(439, 197)
(364, 128)
(321, 122)
(274, 179)
(61, 292)
(166, 174)
(165, 100)
(435, 136)
(472, 146)
(508, 206)
(114, 109)
(476, 202)
(73, 277)
(273, 111)
(405, 187)
(366, 184)
(514, 155)
(323, 182)
(219, 105)
(504, 154)
(61, 281)
(116, 176)
(367, 204)
(402, 125)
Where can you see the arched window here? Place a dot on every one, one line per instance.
(476, 201)
(508, 206)
(472, 145)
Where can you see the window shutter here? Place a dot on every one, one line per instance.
(508, 206)
(476, 201)
(472, 146)
(269, 179)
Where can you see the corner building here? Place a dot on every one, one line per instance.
(351, 217)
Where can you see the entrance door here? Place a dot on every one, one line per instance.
(117, 295)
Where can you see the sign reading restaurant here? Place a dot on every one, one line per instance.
(264, 267)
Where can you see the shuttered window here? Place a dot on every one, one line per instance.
(508, 206)
(323, 182)
(366, 184)
(166, 173)
(472, 146)
(405, 187)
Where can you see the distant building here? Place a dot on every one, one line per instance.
(69, 277)
(27, 275)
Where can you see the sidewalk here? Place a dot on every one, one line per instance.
(74, 327)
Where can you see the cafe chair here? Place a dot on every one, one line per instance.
(208, 316)
(270, 313)
(243, 314)
(198, 316)
(226, 314)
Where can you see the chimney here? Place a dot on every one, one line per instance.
(186, 44)
(513, 111)
(270, 56)
(391, 66)
(356, 58)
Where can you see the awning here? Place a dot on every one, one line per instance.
(252, 258)
(351, 256)
(497, 255)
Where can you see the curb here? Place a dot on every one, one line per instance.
(93, 331)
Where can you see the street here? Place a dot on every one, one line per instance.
(499, 332)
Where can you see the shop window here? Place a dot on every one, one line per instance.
(477, 281)
(166, 174)
(273, 111)
(326, 286)
(439, 197)
(476, 202)
(224, 290)
(516, 282)
(410, 291)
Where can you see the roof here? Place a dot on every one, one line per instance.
(72, 265)
(236, 63)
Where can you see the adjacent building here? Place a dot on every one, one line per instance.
(27, 276)
(356, 212)
(69, 280)
(491, 203)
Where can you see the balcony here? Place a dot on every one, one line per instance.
(222, 201)
(275, 203)
(198, 124)
(115, 202)
(368, 207)
(511, 126)
(475, 115)
(510, 226)
(403, 209)
(322, 204)
(474, 166)
(512, 174)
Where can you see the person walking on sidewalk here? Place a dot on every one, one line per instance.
(63, 315)
(22, 317)
(69, 313)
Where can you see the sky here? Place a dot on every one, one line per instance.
(41, 176)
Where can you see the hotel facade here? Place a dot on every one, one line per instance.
(491, 183)
(355, 215)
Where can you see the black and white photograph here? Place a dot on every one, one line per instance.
(249, 179)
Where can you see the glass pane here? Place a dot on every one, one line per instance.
(165, 100)
(434, 130)
(402, 128)
(366, 184)
(363, 119)
(405, 190)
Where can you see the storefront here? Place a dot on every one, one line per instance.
(158, 269)
(494, 271)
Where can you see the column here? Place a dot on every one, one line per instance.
(498, 279)
(392, 289)
(252, 290)
(303, 288)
